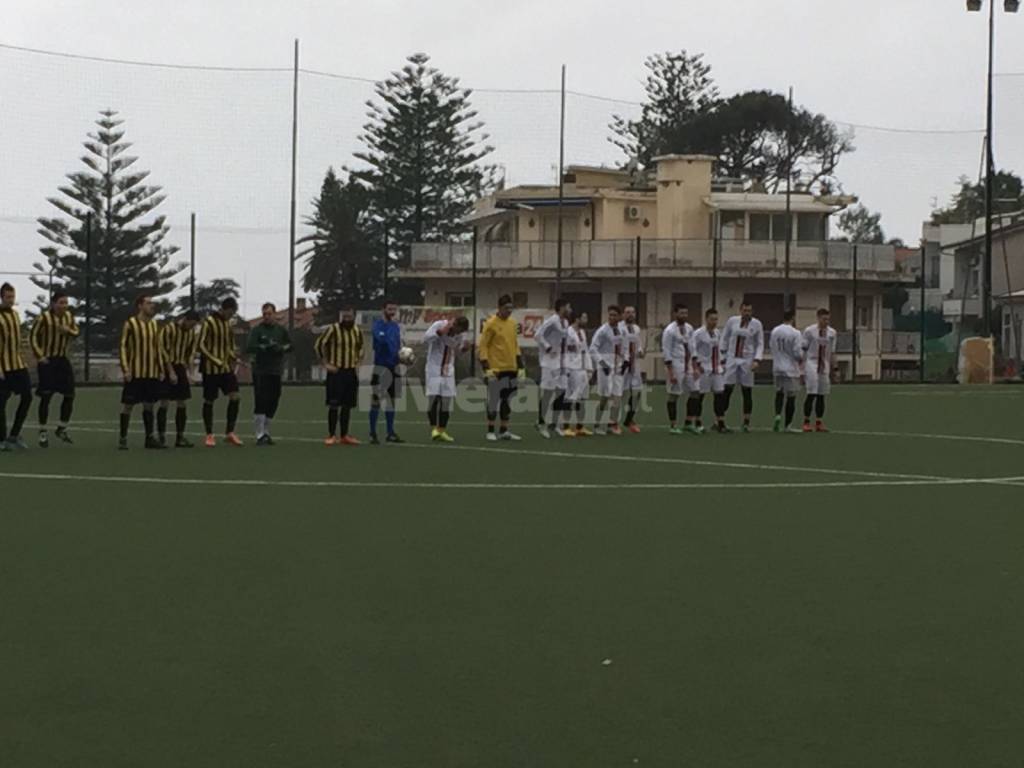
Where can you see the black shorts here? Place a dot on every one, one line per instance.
(146, 391)
(386, 381)
(180, 390)
(343, 388)
(218, 383)
(56, 376)
(16, 383)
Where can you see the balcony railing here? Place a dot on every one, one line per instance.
(954, 309)
(734, 255)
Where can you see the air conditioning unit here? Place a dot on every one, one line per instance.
(634, 213)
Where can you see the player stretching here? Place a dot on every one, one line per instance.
(551, 341)
(144, 367)
(51, 334)
(179, 341)
(340, 349)
(786, 345)
(444, 339)
(675, 347)
(742, 350)
(819, 355)
(14, 378)
(218, 364)
(606, 351)
(632, 379)
(268, 343)
(502, 365)
(578, 369)
(386, 378)
(708, 368)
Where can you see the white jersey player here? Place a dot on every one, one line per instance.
(676, 342)
(632, 377)
(742, 350)
(819, 344)
(786, 347)
(578, 369)
(707, 361)
(443, 340)
(551, 341)
(606, 353)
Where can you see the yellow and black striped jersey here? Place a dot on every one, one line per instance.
(340, 347)
(52, 333)
(217, 345)
(10, 341)
(180, 344)
(141, 353)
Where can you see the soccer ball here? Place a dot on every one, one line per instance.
(406, 356)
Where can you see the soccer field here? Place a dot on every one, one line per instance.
(850, 599)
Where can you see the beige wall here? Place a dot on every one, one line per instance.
(683, 183)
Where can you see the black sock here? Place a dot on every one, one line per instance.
(332, 421)
(819, 408)
(780, 398)
(180, 420)
(343, 419)
(3, 420)
(434, 410)
(67, 406)
(444, 413)
(208, 417)
(44, 409)
(24, 405)
(673, 411)
(578, 408)
(233, 406)
(808, 407)
(161, 421)
(725, 398)
(125, 420)
(719, 405)
(630, 410)
(147, 421)
(790, 409)
(748, 403)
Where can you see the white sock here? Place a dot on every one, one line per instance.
(257, 422)
(266, 425)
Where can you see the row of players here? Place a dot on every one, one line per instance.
(157, 365)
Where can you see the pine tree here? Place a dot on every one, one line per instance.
(424, 147)
(208, 295)
(129, 255)
(345, 257)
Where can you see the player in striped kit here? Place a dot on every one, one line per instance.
(742, 350)
(632, 378)
(786, 345)
(707, 363)
(14, 378)
(819, 366)
(551, 340)
(606, 352)
(679, 383)
(51, 335)
(180, 341)
(444, 339)
(578, 368)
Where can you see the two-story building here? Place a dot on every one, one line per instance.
(699, 241)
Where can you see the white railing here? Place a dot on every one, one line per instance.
(654, 254)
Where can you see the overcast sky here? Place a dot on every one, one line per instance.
(219, 142)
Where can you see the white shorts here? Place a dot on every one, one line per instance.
(578, 388)
(789, 385)
(817, 383)
(552, 379)
(683, 384)
(740, 372)
(609, 384)
(632, 381)
(440, 386)
(711, 383)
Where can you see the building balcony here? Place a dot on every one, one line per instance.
(668, 258)
(957, 309)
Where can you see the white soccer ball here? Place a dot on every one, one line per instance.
(406, 356)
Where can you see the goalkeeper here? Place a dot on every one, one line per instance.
(502, 364)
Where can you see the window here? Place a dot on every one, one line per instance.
(520, 299)
(864, 315)
(734, 225)
(810, 228)
(779, 233)
(768, 308)
(760, 226)
(458, 299)
(837, 310)
(629, 300)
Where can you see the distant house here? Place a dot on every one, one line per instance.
(701, 241)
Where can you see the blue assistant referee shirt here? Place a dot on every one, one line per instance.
(387, 340)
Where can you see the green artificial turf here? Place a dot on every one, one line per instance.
(861, 612)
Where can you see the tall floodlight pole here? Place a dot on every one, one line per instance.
(295, 155)
(561, 190)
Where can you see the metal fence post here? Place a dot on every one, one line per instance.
(88, 290)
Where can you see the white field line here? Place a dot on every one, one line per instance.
(251, 482)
